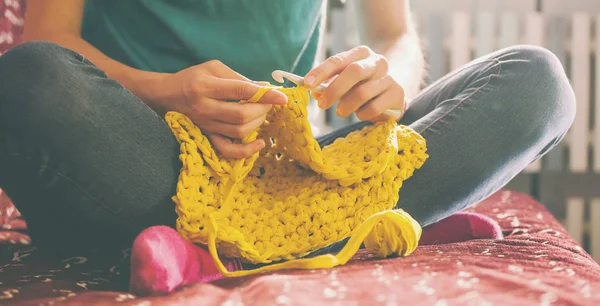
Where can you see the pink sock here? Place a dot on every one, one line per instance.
(162, 261)
(460, 227)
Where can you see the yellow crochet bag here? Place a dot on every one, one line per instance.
(293, 197)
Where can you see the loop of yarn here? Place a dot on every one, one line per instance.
(293, 197)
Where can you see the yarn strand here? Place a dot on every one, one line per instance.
(294, 197)
(406, 233)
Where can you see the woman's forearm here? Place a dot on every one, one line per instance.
(137, 81)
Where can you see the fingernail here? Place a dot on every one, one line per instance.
(338, 112)
(321, 103)
(309, 81)
(282, 99)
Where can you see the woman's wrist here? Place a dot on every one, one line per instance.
(149, 87)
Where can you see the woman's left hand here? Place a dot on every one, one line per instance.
(360, 81)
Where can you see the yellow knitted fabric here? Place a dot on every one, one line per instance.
(293, 197)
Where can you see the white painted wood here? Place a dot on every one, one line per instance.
(596, 135)
(534, 35)
(460, 41)
(338, 33)
(534, 29)
(509, 30)
(580, 78)
(515, 5)
(557, 34)
(429, 6)
(352, 29)
(575, 218)
(566, 7)
(485, 33)
(595, 229)
(340, 40)
(435, 47)
(534, 167)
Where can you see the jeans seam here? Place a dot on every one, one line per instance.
(326, 138)
(453, 73)
(489, 79)
(85, 193)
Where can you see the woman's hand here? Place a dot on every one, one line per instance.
(201, 93)
(359, 79)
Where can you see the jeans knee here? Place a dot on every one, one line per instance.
(547, 97)
(30, 61)
(34, 76)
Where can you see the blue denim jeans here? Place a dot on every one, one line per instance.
(88, 164)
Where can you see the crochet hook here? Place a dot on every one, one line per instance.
(279, 75)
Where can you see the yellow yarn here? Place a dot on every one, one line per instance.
(293, 197)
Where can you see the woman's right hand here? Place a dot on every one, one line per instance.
(201, 92)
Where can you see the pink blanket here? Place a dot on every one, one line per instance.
(536, 263)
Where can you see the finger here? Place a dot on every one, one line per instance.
(316, 95)
(220, 70)
(233, 112)
(334, 65)
(362, 94)
(355, 73)
(225, 89)
(231, 150)
(233, 130)
(374, 109)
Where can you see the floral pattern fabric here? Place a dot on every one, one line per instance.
(537, 263)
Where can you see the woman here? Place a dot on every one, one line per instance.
(89, 161)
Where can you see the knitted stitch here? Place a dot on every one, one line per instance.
(293, 197)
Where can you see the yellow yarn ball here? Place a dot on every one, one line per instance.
(396, 233)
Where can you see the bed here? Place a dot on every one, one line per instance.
(537, 263)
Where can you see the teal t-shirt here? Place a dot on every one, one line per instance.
(253, 37)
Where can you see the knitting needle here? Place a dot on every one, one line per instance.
(279, 75)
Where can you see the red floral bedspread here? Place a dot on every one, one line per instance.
(536, 264)
(11, 23)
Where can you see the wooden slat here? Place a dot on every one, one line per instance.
(565, 7)
(534, 29)
(339, 43)
(575, 218)
(351, 25)
(509, 29)
(553, 193)
(353, 40)
(515, 5)
(460, 41)
(436, 58)
(596, 139)
(437, 6)
(534, 35)
(595, 228)
(580, 78)
(485, 33)
(555, 42)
